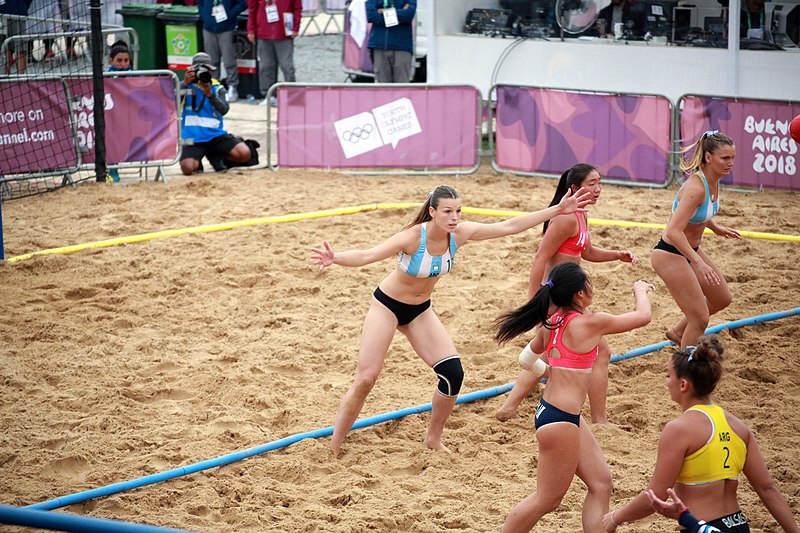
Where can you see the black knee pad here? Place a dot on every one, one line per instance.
(451, 375)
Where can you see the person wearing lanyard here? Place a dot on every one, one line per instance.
(752, 20)
(219, 23)
(273, 25)
(391, 41)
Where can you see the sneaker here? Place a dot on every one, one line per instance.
(273, 101)
(233, 95)
(264, 102)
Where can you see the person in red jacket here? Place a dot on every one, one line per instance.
(273, 24)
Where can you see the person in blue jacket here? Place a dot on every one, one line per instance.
(203, 105)
(391, 41)
(219, 24)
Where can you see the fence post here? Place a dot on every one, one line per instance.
(2, 254)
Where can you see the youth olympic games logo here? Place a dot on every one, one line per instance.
(357, 134)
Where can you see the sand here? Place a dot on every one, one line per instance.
(132, 360)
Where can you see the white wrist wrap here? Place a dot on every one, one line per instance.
(531, 362)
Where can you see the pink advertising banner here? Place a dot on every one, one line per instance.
(766, 155)
(627, 137)
(364, 126)
(35, 131)
(141, 119)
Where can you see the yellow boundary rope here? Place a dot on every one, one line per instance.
(338, 212)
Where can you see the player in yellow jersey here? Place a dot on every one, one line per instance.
(702, 452)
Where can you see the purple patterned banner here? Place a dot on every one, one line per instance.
(766, 155)
(627, 137)
(141, 113)
(35, 121)
(401, 126)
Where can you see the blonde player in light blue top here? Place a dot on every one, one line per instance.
(694, 281)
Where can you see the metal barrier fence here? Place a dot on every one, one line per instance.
(52, 117)
(540, 130)
(400, 128)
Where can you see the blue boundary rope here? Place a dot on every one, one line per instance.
(324, 432)
(78, 524)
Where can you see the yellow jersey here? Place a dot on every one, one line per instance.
(722, 457)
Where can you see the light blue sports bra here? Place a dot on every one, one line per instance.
(706, 210)
(424, 265)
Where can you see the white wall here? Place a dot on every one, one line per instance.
(608, 66)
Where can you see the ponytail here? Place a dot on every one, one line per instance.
(573, 176)
(564, 282)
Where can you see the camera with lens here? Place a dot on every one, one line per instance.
(203, 73)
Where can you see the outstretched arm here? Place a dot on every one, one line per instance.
(607, 324)
(474, 231)
(325, 256)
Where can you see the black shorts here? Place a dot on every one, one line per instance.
(667, 247)
(733, 523)
(216, 148)
(405, 313)
(547, 414)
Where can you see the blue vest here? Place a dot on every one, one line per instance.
(199, 121)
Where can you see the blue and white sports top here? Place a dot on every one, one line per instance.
(424, 265)
(706, 210)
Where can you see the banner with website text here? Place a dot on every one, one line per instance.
(626, 136)
(766, 155)
(367, 126)
(141, 119)
(35, 131)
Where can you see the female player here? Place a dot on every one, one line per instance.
(702, 452)
(566, 238)
(695, 282)
(425, 251)
(569, 340)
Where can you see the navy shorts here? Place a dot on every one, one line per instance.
(733, 523)
(548, 414)
(216, 148)
(405, 313)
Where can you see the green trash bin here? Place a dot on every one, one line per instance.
(183, 33)
(152, 53)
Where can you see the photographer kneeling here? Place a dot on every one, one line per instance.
(202, 110)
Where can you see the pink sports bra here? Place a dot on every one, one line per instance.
(568, 358)
(577, 243)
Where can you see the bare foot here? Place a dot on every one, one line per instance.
(505, 413)
(336, 452)
(672, 336)
(437, 446)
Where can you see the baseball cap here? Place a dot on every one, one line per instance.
(202, 58)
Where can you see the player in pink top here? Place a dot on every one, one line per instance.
(566, 238)
(569, 340)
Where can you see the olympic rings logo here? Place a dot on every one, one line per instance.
(358, 134)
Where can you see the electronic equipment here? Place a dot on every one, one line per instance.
(491, 22)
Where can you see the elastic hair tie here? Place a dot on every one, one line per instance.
(549, 283)
(691, 349)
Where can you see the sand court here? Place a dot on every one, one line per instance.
(135, 359)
